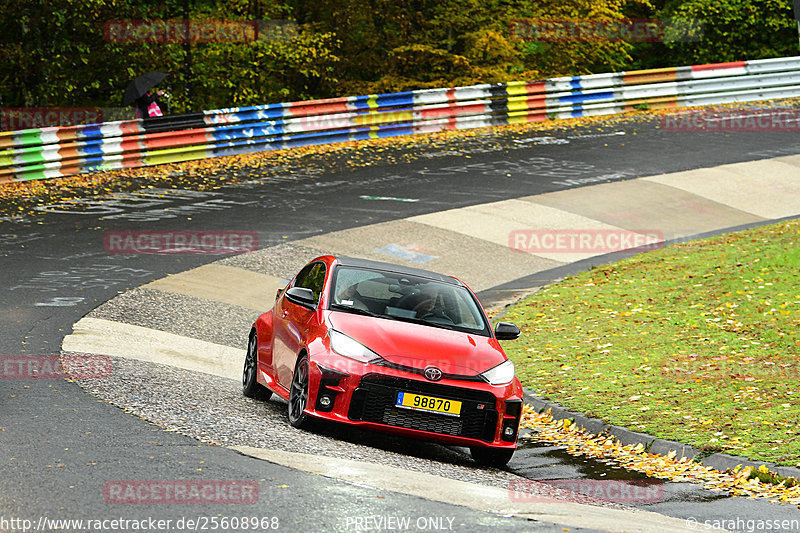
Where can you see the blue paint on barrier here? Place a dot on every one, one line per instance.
(587, 97)
(394, 131)
(91, 131)
(91, 147)
(360, 102)
(396, 99)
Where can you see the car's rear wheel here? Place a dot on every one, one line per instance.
(250, 386)
(497, 457)
(298, 393)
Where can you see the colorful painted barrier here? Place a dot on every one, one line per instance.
(65, 151)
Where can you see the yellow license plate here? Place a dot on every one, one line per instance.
(419, 402)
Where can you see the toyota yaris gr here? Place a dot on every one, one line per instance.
(388, 348)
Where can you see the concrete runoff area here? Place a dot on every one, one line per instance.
(769, 188)
(417, 244)
(108, 337)
(223, 284)
(645, 205)
(479, 497)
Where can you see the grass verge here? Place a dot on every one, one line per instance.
(696, 342)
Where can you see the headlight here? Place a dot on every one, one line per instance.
(344, 345)
(501, 374)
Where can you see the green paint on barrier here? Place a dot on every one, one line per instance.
(30, 137)
(32, 156)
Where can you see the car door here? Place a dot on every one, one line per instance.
(291, 322)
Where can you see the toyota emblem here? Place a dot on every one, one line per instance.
(432, 373)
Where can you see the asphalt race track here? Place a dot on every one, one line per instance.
(64, 446)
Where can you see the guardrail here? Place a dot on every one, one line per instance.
(65, 151)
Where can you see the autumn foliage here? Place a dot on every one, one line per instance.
(57, 53)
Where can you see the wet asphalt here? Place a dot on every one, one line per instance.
(63, 446)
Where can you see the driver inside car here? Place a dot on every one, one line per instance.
(431, 307)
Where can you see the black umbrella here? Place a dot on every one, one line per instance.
(141, 85)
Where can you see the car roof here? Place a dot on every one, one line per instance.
(399, 269)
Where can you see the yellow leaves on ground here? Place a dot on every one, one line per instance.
(580, 442)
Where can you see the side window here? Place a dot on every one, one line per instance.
(312, 277)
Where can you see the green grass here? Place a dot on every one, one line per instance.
(696, 342)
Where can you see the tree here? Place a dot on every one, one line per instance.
(732, 30)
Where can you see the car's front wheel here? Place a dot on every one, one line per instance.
(497, 457)
(250, 386)
(298, 393)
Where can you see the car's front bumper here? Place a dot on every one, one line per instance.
(365, 395)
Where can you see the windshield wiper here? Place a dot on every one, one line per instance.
(354, 310)
(424, 322)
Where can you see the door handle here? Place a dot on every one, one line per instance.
(285, 312)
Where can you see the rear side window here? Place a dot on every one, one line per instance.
(312, 277)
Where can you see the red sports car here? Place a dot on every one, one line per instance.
(388, 348)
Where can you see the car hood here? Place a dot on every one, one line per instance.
(419, 346)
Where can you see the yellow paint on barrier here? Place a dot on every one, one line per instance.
(517, 104)
(517, 88)
(176, 155)
(524, 118)
(383, 118)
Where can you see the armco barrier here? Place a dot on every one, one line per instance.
(64, 151)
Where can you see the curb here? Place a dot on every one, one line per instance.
(718, 461)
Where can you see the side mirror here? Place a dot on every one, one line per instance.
(302, 296)
(505, 331)
(278, 294)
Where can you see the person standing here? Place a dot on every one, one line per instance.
(146, 106)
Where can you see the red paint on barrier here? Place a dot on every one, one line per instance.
(537, 87)
(169, 139)
(318, 107)
(720, 66)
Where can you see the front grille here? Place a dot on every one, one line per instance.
(374, 401)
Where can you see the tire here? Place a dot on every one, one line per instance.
(298, 393)
(496, 457)
(250, 386)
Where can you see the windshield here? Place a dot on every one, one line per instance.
(409, 298)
